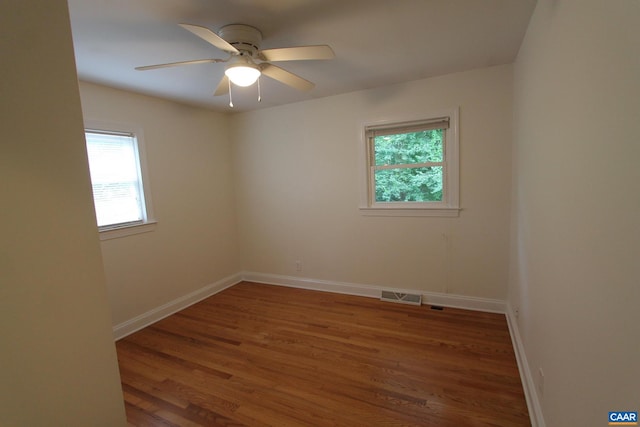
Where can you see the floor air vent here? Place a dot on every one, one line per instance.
(390, 296)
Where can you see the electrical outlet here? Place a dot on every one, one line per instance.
(299, 266)
(516, 312)
(541, 382)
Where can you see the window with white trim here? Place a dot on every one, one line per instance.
(117, 178)
(412, 167)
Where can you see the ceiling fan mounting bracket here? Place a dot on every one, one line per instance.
(242, 37)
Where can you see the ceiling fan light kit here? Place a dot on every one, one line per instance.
(246, 61)
(243, 72)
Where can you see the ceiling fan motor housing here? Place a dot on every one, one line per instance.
(245, 38)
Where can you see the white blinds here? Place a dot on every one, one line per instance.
(115, 177)
(407, 127)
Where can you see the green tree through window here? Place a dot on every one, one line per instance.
(409, 167)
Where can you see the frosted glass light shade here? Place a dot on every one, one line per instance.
(242, 75)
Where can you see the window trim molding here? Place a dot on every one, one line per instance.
(149, 222)
(447, 208)
(127, 230)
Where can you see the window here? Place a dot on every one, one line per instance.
(117, 179)
(412, 167)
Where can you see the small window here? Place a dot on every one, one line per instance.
(117, 179)
(412, 167)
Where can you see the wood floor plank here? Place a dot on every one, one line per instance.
(261, 355)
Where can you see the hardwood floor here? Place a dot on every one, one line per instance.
(261, 355)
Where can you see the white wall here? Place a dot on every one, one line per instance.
(58, 362)
(297, 184)
(575, 269)
(189, 164)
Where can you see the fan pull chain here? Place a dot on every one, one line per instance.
(230, 97)
(259, 96)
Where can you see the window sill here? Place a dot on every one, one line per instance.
(128, 230)
(434, 212)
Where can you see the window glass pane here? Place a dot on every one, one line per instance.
(113, 164)
(409, 148)
(409, 184)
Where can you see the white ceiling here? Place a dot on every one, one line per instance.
(376, 42)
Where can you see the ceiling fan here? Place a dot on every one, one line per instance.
(246, 62)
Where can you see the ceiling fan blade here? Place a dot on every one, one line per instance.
(298, 53)
(223, 86)
(173, 64)
(286, 77)
(211, 37)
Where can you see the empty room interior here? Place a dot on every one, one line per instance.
(274, 275)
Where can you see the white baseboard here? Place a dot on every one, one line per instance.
(463, 301)
(533, 403)
(145, 319)
(372, 291)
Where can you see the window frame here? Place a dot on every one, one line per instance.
(148, 222)
(449, 206)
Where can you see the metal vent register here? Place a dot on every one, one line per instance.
(390, 296)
